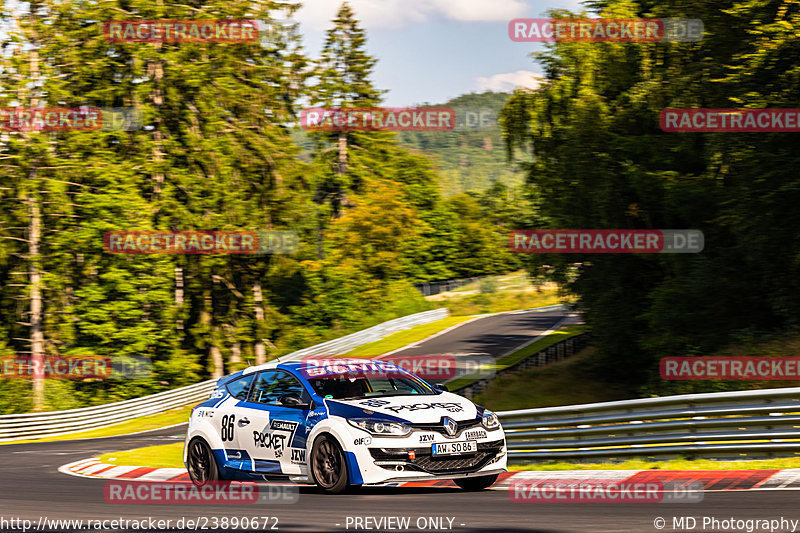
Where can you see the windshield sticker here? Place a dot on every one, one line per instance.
(451, 407)
(347, 368)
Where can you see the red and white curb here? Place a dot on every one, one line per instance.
(94, 468)
(712, 480)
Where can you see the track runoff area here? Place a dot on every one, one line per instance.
(37, 492)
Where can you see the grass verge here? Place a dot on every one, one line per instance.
(522, 353)
(571, 381)
(145, 423)
(496, 294)
(164, 456)
(541, 344)
(499, 302)
(403, 338)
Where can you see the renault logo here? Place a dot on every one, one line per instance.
(450, 426)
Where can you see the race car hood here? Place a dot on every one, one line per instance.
(414, 408)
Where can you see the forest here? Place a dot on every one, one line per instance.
(216, 147)
(598, 159)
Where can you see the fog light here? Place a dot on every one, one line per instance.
(412, 455)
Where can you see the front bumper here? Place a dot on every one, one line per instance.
(425, 462)
(386, 460)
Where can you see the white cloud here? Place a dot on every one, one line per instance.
(509, 81)
(394, 14)
(479, 10)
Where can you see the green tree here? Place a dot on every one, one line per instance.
(599, 160)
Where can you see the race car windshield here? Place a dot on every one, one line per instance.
(369, 385)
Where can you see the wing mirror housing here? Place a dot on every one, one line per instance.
(293, 399)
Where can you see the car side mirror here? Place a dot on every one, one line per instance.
(441, 386)
(292, 399)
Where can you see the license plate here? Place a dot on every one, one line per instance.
(454, 448)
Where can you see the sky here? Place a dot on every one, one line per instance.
(429, 51)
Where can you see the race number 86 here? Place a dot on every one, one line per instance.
(227, 428)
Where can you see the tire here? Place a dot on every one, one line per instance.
(328, 465)
(476, 483)
(201, 464)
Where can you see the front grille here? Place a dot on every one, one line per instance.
(453, 464)
(425, 462)
(439, 428)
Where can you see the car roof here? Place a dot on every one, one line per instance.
(297, 365)
(293, 365)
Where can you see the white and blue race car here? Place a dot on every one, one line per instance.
(338, 423)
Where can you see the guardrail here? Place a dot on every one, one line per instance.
(375, 333)
(757, 423)
(55, 423)
(429, 288)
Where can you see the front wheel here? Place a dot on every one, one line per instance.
(201, 464)
(476, 483)
(328, 466)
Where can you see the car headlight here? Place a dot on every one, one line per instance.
(490, 420)
(381, 428)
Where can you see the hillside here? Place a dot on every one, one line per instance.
(472, 157)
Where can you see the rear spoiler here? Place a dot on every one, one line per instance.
(224, 379)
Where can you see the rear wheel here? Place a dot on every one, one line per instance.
(201, 464)
(476, 483)
(328, 466)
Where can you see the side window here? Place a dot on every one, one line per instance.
(272, 384)
(239, 387)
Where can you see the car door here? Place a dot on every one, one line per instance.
(228, 424)
(275, 440)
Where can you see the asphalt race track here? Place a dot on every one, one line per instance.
(494, 335)
(32, 487)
